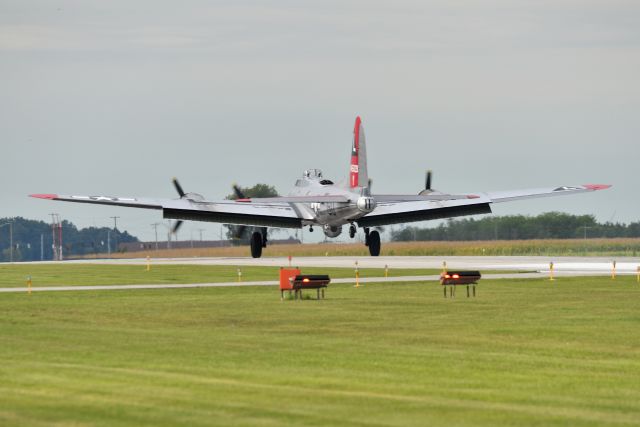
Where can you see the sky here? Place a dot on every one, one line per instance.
(116, 98)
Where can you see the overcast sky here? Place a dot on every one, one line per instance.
(118, 97)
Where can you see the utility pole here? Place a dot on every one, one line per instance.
(201, 230)
(155, 227)
(115, 228)
(168, 234)
(53, 237)
(41, 247)
(56, 238)
(60, 236)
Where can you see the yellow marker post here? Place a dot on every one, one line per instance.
(444, 266)
(551, 271)
(239, 275)
(613, 270)
(638, 274)
(357, 276)
(386, 271)
(29, 284)
(148, 263)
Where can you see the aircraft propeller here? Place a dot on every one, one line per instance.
(238, 192)
(178, 187)
(427, 181)
(177, 224)
(241, 229)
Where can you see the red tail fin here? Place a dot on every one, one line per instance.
(355, 151)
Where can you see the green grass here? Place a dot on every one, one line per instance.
(525, 352)
(99, 274)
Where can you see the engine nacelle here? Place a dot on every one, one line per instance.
(195, 197)
(366, 204)
(332, 230)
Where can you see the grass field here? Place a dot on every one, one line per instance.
(550, 247)
(525, 352)
(14, 275)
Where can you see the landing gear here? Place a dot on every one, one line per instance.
(310, 229)
(374, 243)
(352, 231)
(257, 244)
(263, 230)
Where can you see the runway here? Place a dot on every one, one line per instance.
(522, 267)
(571, 265)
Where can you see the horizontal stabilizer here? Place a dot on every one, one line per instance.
(428, 197)
(296, 199)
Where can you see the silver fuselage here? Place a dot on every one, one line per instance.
(330, 215)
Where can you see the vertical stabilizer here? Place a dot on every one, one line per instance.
(358, 176)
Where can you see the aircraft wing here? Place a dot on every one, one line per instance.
(387, 213)
(395, 212)
(280, 214)
(507, 196)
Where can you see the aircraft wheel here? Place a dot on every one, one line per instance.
(374, 243)
(256, 244)
(352, 231)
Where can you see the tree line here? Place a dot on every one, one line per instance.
(33, 240)
(550, 225)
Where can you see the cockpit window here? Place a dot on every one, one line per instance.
(313, 173)
(326, 182)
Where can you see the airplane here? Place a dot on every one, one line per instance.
(318, 201)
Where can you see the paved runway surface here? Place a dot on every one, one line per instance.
(536, 267)
(576, 265)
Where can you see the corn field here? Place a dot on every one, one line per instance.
(543, 247)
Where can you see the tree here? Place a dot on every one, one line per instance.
(549, 225)
(30, 237)
(240, 233)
